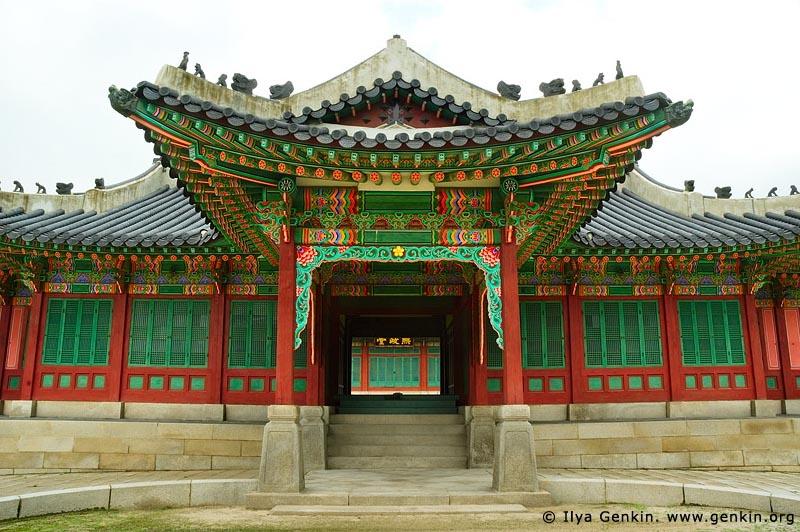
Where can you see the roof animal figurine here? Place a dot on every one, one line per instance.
(198, 71)
(100, 183)
(773, 192)
(723, 192)
(279, 92)
(599, 80)
(552, 88)
(40, 189)
(576, 85)
(620, 75)
(65, 189)
(688, 185)
(749, 193)
(18, 187)
(222, 81)
(793, 191)
(184, 61)
(243, 84)
(507, 90)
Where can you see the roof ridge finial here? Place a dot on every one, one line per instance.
(396, 42)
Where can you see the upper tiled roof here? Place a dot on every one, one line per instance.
(162, 218)
(630, 221)
(302, 128)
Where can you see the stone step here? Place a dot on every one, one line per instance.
(397, 409)
(431, 430)
(395, 462)
(356, 399)
(397, 450)
(426, 438)
(396, 509)
(398, 419)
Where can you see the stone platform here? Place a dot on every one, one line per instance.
(465, 490)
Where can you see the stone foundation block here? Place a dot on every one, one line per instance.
(18, 408)
(183, 412)
(622, 429)
(514, 453)
(213, 447)
(398, 499)
(559, 462)
(784, 457)
(63, 500)
(555, 431)
(127, 462)
(282, 469)
(235, 431)
(549, 413)
(9, 507)
(648, 493)
(723, 497)
(46, 444)
(182, 462)
(790, 406)
(480, 437)
(266, 501)
(221, 492)
(708, 409)
(185, 431)
(17, 461)
(155, 446)
(246, 413)
(99, 445)
(71, 460)
(608, 461)
(79, 409)
(716, 459)
(150, 495)
(786, 504)
(766, 407)
(575, 490)
(614, 411)
(662, 460)
(251, 448)
(672, 427)
(767, 426)
(235, 462)
(314, 439)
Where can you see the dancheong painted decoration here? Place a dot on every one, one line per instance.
(516, 248)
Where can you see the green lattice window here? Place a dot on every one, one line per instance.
(252, 334)
(77, 332)
(494, 355)
(169, 332)
(542, 328)
(389, 372)
(433, 371)
(711, 333)
(621, 333)
(355, 372)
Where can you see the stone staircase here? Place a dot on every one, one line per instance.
(398, 404)
(394, 441)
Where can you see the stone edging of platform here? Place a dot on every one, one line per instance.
(657, 493)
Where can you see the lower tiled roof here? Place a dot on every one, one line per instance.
(162, 218)
(628, 220)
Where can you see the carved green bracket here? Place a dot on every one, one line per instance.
(486, 258)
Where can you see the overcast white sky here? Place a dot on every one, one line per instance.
(738, 61)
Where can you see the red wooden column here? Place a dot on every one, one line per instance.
(32, 346)
(5, 325)
(783, 348)
(287, 282)
(672, 337)
(478, 390)
(216, 349)
(575, 333)
(754, 334)
(116, 349)
(512, 340)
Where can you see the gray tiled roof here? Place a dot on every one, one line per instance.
(627, 220)
(164, 217)
(306, 127)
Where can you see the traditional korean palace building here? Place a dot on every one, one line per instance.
(397, 229)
